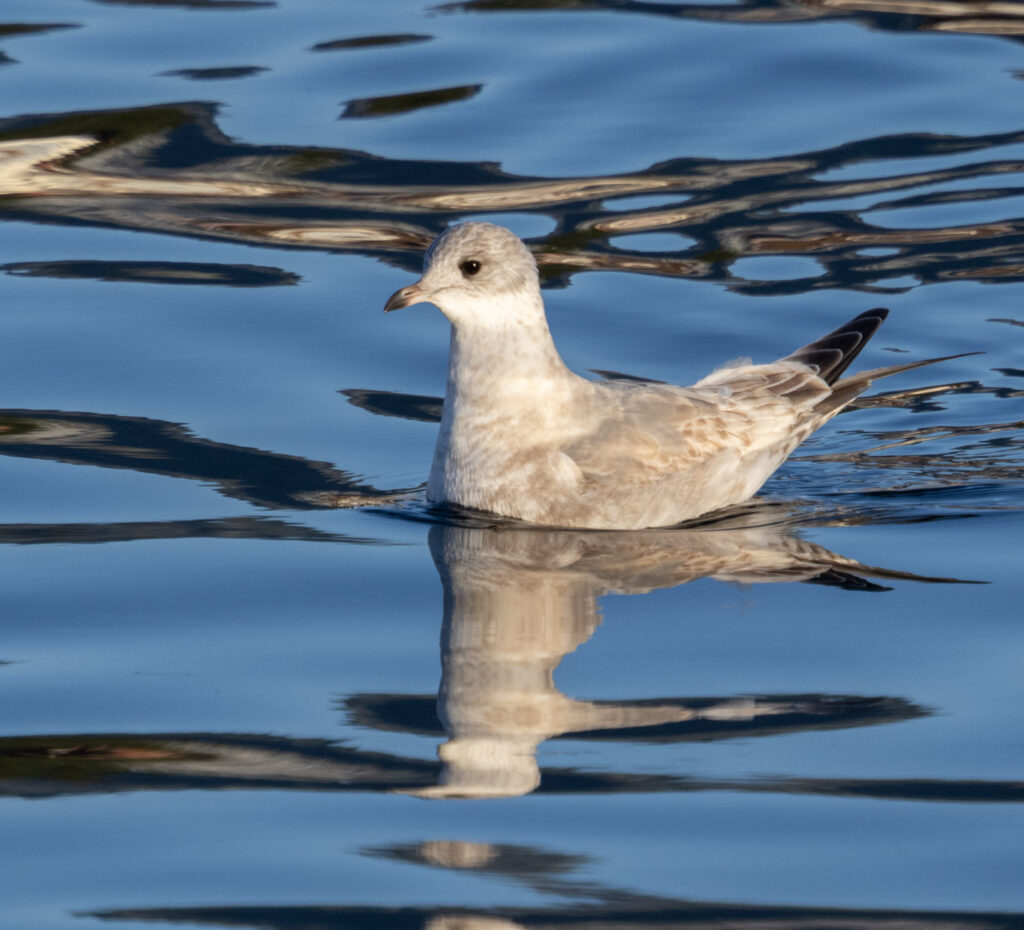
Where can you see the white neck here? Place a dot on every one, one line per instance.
(502, 351)
(505, 379)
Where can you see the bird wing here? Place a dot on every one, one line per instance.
(650, 430)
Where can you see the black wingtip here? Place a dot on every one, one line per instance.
(833, 353)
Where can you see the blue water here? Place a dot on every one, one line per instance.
(252, 680)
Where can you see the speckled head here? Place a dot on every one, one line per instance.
(472, 270)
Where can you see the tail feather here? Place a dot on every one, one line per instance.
(846, 390)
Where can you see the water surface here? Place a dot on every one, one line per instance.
(253, 680)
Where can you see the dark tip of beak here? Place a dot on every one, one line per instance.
(403, 297)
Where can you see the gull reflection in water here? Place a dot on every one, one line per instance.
(516, 600)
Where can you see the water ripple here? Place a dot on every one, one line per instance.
(129, 169)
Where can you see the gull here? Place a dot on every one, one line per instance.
(524, 437)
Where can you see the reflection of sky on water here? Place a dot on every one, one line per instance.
(221, 722)
(708, 105)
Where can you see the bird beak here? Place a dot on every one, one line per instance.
(406, 297)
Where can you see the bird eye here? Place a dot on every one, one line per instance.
(469, 267)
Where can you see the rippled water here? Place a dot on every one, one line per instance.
(240, 652)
